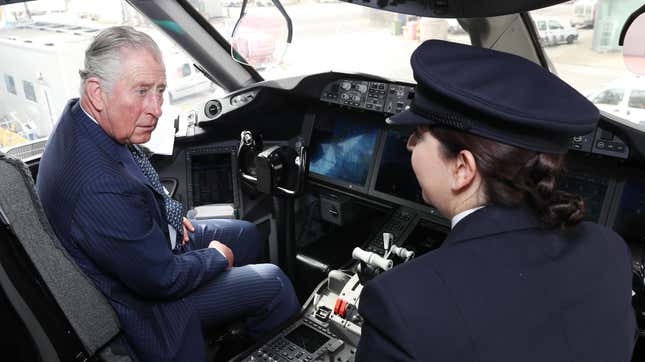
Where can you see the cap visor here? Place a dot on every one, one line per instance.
(407, 118)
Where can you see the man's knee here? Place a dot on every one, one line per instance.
(272, 273)
(286, 295)
(251, 232)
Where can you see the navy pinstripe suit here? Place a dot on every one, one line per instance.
(111, 221)
(502, 289)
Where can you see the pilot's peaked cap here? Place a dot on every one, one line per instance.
(495, 95)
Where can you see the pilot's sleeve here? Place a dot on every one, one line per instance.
(114, 227)
(383, 334)
(412, 319)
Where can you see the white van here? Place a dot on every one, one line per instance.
(184, 80)
(584, 13)
(551, 31)
(624, 98)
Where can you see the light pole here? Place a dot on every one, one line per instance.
(45, 87)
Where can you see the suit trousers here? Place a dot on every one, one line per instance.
(260, 295)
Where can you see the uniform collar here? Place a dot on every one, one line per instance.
(490, 220)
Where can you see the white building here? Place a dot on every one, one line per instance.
(39, 70)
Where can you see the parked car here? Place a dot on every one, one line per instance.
(624, 98)
(584, 13)
(270, 3)
(184, 80)
(232, 3)
(551, 31)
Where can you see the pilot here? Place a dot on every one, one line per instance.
(520, 277)
(109, 210)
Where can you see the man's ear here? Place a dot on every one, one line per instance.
(95, 93)
(464, 170)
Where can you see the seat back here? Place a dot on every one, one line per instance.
(65, 312)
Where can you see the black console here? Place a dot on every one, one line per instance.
(211, 176)
(306, 340)
(377, 96)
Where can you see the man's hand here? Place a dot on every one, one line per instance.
(188, 226)
(228, 253)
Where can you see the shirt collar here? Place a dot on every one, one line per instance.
(87, 114)
(457, 218)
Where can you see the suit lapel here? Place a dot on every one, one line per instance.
(110, 147)
(492, 220)
(118, 153)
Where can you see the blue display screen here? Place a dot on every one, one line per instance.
(342, 149)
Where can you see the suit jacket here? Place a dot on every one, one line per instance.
(503, 289)
(112, 222)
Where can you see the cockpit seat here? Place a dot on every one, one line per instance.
(66, 316)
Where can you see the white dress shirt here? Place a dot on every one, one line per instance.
(457, 218)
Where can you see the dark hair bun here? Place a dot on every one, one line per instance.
(514, 176)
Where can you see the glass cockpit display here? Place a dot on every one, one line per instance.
(395, 174)
(342, 149)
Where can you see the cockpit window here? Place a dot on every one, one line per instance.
(585, 53)
(42, 45)
(331, 35)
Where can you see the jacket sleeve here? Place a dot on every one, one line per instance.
(412, 316)
(118, 233)
(383, 334)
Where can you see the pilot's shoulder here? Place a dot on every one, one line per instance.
(606, 239)
(414, 276)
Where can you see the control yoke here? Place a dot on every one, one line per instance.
(279, 171)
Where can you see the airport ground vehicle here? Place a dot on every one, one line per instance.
(552, 32)
(185, 79)
(335, 210)
(624, 97)
(584, 13)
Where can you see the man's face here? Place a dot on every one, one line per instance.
(133, 107)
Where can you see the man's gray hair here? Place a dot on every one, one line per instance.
(103, 56)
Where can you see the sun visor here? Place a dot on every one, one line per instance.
(456, 8)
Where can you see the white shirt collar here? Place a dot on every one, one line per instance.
(457, 218)
(87, 114)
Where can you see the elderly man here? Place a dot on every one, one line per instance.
(108, 208)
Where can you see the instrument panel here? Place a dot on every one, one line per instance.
(353, 151)
(355, 157)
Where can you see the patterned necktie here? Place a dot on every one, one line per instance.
(174, 209)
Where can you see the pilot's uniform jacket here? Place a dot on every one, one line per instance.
(85, 172)
(503, 289)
